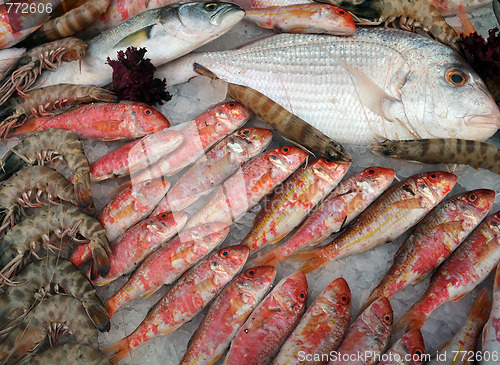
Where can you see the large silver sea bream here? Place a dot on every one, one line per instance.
(378, 84)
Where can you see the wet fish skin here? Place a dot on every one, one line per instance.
(397, 210)
(434, 239)
(262, 334)
(491, 332)
(340, 87)
(348, 200)
(322, 328)
(248, 186)
(215, 166)
(369, 333)
(227, 314)
(408, 350)
(293, 202)
(466, 267)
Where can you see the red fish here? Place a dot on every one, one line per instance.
(408, 350)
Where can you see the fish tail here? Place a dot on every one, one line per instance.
(118, 350)
(311, 259)
(115, 302)
(97, 314)
(376, 293)
(270, 258)
(81, 255)
(411, 320)
(480, 311)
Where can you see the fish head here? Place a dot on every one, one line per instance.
(338, 295)
(200, 22)
(435, 185)
(232, 258)
(293, 292)
(231, 115)
(367, 9)
(287, 158)
(164, 223)
(149, 191)
(251, 141)
(208, 232)
(143, 119)
(377, 177)
(339, 20)
(477, 201)
(379, 314)
(412, 343)
(258, 277)
(329, 171)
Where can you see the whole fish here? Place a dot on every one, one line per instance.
(185, 299)
(467, 266)
(408, 350)
(449, 150)
(347, 200)
(396, 211)
(215, 166)
(247, 187)
(491, 332)
(135, 155)
(263, 333)
(463, 344)
(167, 33)
(424, 90)
(139, 241)
(434, 239)
(293, 202)
(321, 329)
(103, 121)
(369, 335)
(199, 135)
(226, 315)
(304, 18)
(168, 263)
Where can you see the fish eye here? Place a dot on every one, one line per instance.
(341, 12)
(224, 253)
(344, 299)
(456, 77)
(147, 183)
(371, 172)
(148, 111)
(245, 132)
(285, 149)
(163, 215)
(251, 272)
(433, 176)
(231, 105)
(210, 6)
(207, 226)
(302, 296)
(418, 353)
(388, 318)
(472, 197)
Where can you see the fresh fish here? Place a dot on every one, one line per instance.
(199, 135)
(215, 166)
(139, 241)
(458, 350)
(491, 331)
(434, 239)
(263, 333)
(369, 334)
(304, 18)
(167, 33)
(450, 150)
(321, 329)
(293, 202)
(396, 211)
(424, 90)
(226, 315)
(467, 266)
(247, 187)
(408, 350)
(184, 300)
(348, 200)
(168, 263)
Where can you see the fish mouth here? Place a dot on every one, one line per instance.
(485, 120)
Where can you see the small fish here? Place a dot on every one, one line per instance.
(369, 334)
(215, 166)
(435, 238)
(168, 263)
(132, 205)
(293, 202)
(226, 315)
(263, 333)
(248, 186)
(449, 150)
(408, 350)
(392, 214)
(304, 18)
(103, 121)
(464, 342)
(322, 328)
(347, 200)
(491, 331)
(185, 299)
(467, 266)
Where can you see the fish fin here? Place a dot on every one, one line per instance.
(136, 39)
(118, 350)
(481, 308)
(97, 314)
(467, 26)
(419, 279)
(148, 293)
(459, 297)
(311, 259)
(450, 227)
(264, 25)
(444, 345)
(270, 258)
(413, 203)
(103, 282)
(411, 320)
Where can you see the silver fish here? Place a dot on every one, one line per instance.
(496, 9)
(167, 33)
(377, 83)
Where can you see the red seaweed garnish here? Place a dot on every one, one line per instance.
(133, 78)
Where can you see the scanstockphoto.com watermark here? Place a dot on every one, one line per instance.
(365, 356)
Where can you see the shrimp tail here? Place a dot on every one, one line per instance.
(100, 257)
(81, 255)
(103, 95)
(118, 350)
(82, 190)
(311, 259)
(97, 314)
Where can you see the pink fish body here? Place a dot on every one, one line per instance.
(260, 338)
(491, 331)
(227, 314)
(408, 350)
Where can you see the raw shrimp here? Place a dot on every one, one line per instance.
(447, 150)
(71, 353)
(34, 232)
(41, 102)
(47, 146)
(52, 318)
(25, 188)
(42, 278)
(24, 72)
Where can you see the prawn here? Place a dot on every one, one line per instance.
(29, 236)
(47, 146)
